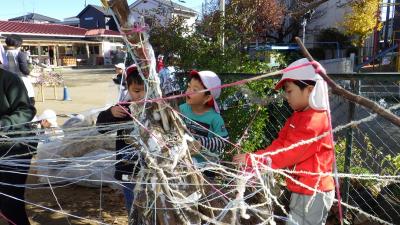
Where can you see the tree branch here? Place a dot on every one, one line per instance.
(338, 90)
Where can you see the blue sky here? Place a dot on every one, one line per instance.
(61, 9)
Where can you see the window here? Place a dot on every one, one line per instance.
(149, 21)
(45, 50)
(24, 48)
(34, 50)
(88, 18)
(68, 51)
(80, 50)
(94, 49)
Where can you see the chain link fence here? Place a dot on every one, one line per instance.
(368, 155)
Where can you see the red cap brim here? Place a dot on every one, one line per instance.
(280, 84)
(194, 73)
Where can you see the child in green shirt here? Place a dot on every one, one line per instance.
(202, 118)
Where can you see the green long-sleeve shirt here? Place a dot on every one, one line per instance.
(15, 111)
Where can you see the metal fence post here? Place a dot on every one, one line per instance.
(355, 87)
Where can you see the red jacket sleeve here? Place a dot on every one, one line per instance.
(277, 142)
(291, 134)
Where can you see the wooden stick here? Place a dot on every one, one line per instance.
(338, 90)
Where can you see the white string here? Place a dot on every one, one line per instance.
(9, 161)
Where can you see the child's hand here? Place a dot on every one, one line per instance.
(118, 112)
(240, 159)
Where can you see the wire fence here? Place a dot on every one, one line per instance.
(367, 152)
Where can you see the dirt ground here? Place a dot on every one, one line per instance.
(88, 89)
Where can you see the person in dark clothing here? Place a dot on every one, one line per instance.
(51, 56)
(16, 112)
(127, 158)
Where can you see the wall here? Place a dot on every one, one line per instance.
(149, 9)
(160, 12)
(97, 19)
(328, 14)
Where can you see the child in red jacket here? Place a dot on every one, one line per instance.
(310, 163)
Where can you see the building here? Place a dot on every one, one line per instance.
(162, 10)
(35, 18)
(332, 14)
(329, 14)
(71, 21)
(63, 45)
(96, 17)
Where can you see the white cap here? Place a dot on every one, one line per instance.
(50, 116)
(210, 80)
(319, 97)
(120, 66)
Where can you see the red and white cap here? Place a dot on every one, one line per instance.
(306, 72)
(319, 97)
(120, 66)
(210, 80)
(131, 68)
(50, 116)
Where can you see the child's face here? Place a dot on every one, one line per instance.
(45, 124)
(198, 98)
(136, 91)
(297, 98)
(118, 70)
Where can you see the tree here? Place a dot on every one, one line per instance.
(245, 20)
(200, 48)
(334, 35)
(258, 20)
(362, 21)
(290, 25)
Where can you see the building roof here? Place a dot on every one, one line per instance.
(102, 32)
(55, 30)
(177, 6)
(71, 21)
(106, 12)
(168, 3)
(34, 16)
(72, 18)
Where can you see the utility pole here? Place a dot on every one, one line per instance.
(387, 23)
(222, 9)
(304, 23)
(375, 48)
